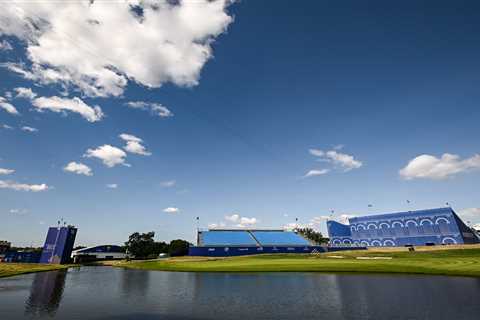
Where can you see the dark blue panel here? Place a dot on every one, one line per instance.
(58, 245)
(242, 251)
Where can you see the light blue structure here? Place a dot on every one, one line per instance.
(412, 228)
(228, 242)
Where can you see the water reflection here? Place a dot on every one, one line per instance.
(135, 282)
(46, 293)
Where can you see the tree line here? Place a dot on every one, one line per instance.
(143, 246)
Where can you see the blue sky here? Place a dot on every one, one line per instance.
(252, 113)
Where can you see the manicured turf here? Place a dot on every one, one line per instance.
(12, 269)
(459, 262)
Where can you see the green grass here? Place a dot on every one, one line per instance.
(458, 262)
(13, 269)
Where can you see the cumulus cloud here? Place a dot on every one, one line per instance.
(343, 160)
(25, 93)
(29, 129)
(6, 171)
(112, 185)
(154, 108)
(5, 105)
(430, 167)
(171, 210)
(23, 186)
(134, 144)
(168, 183)
(94, 46)
(5, 45)
(110, 156)
(240, 221)
(313, 173)
(78, 168)
(57, 104)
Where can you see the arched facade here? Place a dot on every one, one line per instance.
(440, 226)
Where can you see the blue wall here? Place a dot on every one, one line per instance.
(58, 245)
(433, 226)
(242, 251)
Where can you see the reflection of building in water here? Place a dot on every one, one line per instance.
(46, 293)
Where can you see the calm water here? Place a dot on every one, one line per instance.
(107, 293)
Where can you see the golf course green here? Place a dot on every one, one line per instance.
(455, 262)
(12, 269)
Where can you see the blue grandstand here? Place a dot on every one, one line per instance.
(439, 226)
(236, 242)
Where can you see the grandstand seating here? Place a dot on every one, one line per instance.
(250, 238)
(227, 238)
(276, 238)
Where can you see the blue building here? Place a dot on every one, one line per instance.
(423, 227)
(237, 242)
(58, 245)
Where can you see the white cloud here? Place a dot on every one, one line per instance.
(110, 156)
(319, 220)
(112, 185)
(25, 93)
(6, 171)
(57, 104)
(430, 167)
(5, 45)
(78, 168)
(168, 184)
(22, 186)
(154, 108)
(6, 126)
(241, 221)
(346, 161)
(97, 46)
(313, 173)
(29, 129)
(18, 211)
(216, 225)
(134, 145)
(171, 210)
(5, 105)
(470, 214)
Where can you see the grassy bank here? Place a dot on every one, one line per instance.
(458, 262)
(13, 269)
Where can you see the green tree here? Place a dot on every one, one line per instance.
(312, 235)
(140, 245)
(178, 248)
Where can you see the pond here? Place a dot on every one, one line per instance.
(113, 293)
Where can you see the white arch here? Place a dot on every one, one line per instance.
(444, 241)
(442, 219)
(347, 241)
(426, 220)
(384, 224)
(376, 243)
(360, 226)
(352, 228)
(410, 222)
(364, 243)
(337, 241)
(371, 224)
(397, 222)
(356, 243)
(389, 243)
